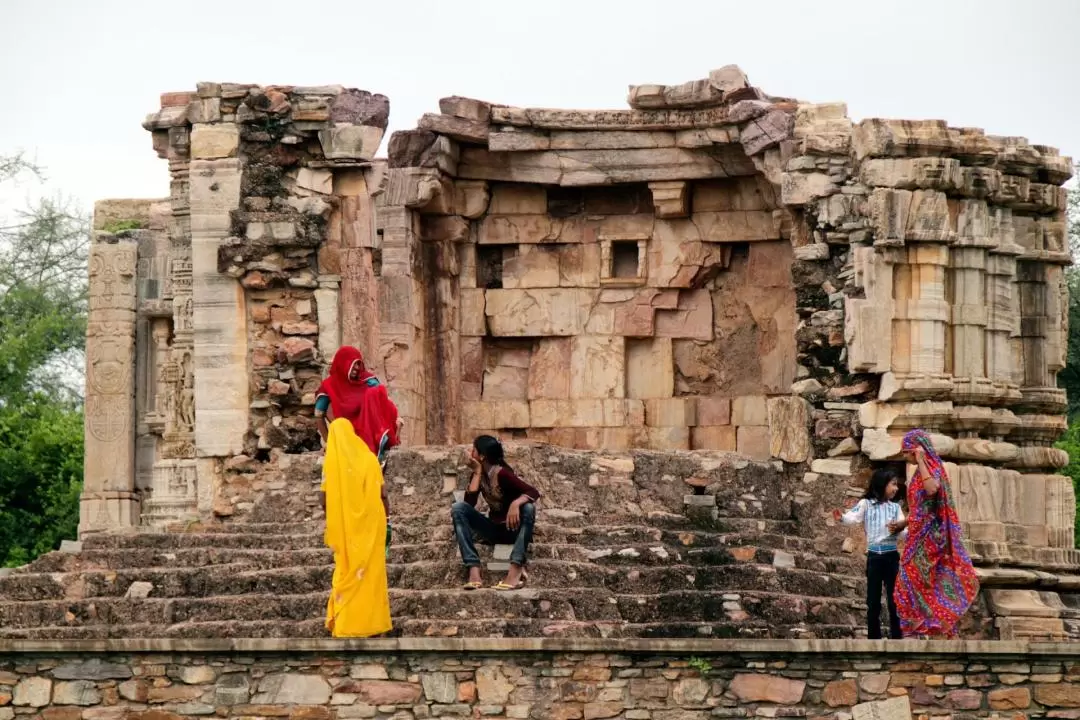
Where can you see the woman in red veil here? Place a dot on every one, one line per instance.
(355, 394)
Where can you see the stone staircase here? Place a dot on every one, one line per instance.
(615, 555)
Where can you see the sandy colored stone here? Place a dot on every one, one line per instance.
(213, 142)
(492, 686)
(715, 437)
(767, 688)
(789, 420)
(1017, 698)
(1058, 695)
(32, 692)
(649, 368)
(549, 369)
(76, 692)
(840, 693)
(874, 683)
(291, 688)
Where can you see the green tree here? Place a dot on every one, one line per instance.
(43, 252)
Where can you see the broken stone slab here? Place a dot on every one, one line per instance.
(728, 79)
(466, 108)
(139, 590)
(692, 94)
(71, 546)
(460, 129)
(349, 142)
(766, 131)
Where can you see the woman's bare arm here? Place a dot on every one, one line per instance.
(930, 483)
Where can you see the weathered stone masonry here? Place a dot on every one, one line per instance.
(642, 680)
(713, 269)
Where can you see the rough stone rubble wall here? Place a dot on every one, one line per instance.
(676, 683)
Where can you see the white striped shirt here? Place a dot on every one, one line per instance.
(875, 518)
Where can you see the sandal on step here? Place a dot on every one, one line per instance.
(473, 586)
(504, 586)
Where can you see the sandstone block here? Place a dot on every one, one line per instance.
(840, 693)
(440, 687)
(670, 412)
(76, 692)
(728, 79)
(214, 142)
(351, 142)
(897, 708)
(473, 312)
(532, 266)
(461, 129)
(32, 692)
(91, 670)
(517, 200)
(750, 410)
(650, 368)
(537, 312)
(801, 188)
(292, 689)
(549, 369)
(693, 318)
(767, 688)
(610, 140)
(789, 420)
(1010, 699)
(695, 93)
(713, 410)
(496, 414)
(1058, 695)
(467, 108)
(753, 441)
(389, 692)
(597, 366)
(518, 140)
(492, 686)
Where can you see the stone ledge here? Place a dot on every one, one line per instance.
(526, 645)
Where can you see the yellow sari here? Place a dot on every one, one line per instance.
(359, 604)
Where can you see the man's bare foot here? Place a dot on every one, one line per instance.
(515, 576)
(475, 581)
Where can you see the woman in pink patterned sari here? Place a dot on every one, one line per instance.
(937, 582)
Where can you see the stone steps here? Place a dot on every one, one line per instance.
(241, 578)
(546, 604)
(438, 628)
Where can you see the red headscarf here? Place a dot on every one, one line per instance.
(363, 401)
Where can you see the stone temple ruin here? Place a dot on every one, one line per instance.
(701, 320)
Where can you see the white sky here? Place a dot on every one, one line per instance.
(78, 76)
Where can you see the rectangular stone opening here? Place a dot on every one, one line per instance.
(489, 266)
(624, 259)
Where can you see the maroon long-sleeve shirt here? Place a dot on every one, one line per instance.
(509, 488)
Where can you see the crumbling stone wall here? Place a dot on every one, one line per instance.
(668, 680)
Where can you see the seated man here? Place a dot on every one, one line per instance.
(510, 520)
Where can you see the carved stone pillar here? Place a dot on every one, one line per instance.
(1002, 322)
(402, 320)
(218, 314)
(108, 498)
(353, 221)
(922, 315)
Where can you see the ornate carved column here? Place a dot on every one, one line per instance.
(970, 311)
(108, 498)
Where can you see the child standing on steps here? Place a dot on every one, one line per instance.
(878, 514)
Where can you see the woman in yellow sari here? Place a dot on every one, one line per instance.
(359, 604)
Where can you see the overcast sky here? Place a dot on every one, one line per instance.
(78, 77)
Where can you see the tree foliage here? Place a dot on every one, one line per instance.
(43, 252)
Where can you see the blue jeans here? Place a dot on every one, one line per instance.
(470, 522)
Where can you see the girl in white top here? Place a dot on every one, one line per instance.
(881, 518)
